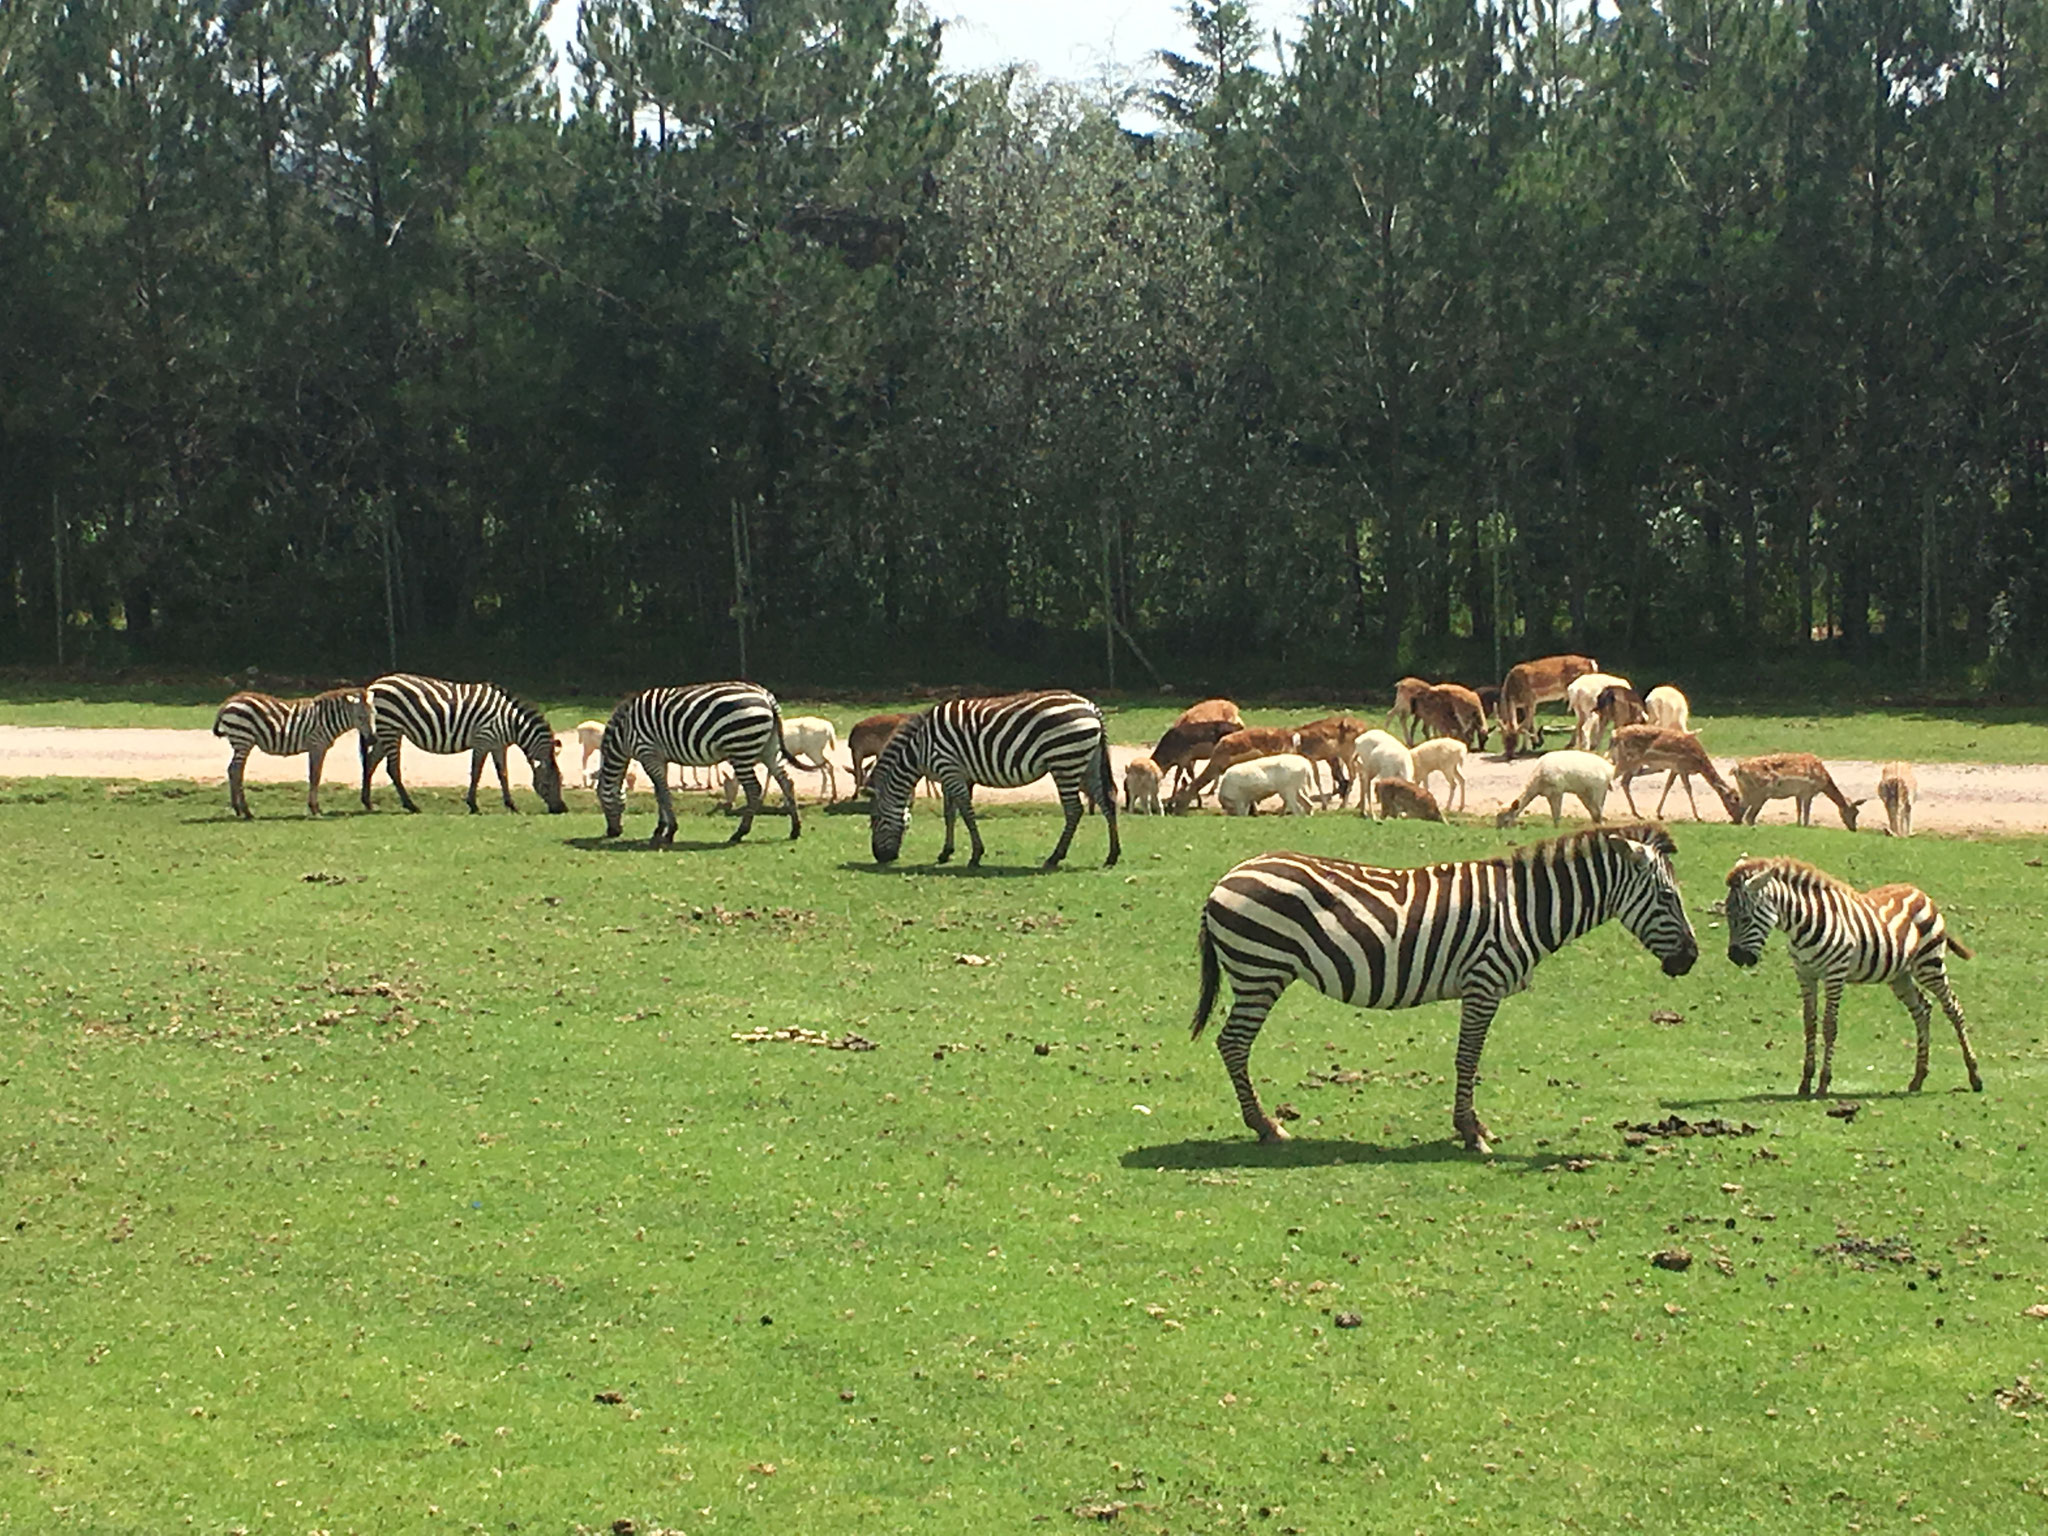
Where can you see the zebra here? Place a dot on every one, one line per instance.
(284, 728)
(735, 723)
(1003, 742)
(1837, 935)
(481, 719)
(1396, 938)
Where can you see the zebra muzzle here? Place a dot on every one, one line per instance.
(1678, 962)
(1743, 957)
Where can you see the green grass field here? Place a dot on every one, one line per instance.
(384, 1173)
(1732, 727)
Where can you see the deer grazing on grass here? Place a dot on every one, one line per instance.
(1238, 747)
(1530, 683)
(1404, 797)
(1451, 709)
(1646, 748)
(1331, 740)
(1797, 776)
(1190, 738)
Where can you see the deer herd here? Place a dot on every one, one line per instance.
(1431, 729)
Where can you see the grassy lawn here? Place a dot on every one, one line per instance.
(1731, 727)
(403, 1173)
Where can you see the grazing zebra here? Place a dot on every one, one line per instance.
(1837, 935)
(1002, 742)
(481, 719)
(284, 728)
(1395, 938)
(735, 723)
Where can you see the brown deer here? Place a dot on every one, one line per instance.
(1238, 747)
(1404, 797)
(1451, 709)
(1797, 776)
(1188, 740)
(1333, 740)
(865, 741)
(1530, 683)
(1896, 788)
(1646, 748)
(1404, 707)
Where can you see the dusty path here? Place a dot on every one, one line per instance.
(1976, 797)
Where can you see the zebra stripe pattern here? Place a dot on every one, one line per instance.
(1002, 743)
(258, 722)
(735, 723)
(1838, 935)
(1398, 938)
(481, 719)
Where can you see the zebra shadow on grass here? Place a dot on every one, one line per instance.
(960, 871)
(1836, 1093)
(602, 844)
(1308, 1152)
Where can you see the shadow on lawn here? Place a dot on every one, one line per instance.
(1303, 1152)
(960, 871)
(602, 844)
(1834, 1095)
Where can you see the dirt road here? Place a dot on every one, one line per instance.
(1954, 797)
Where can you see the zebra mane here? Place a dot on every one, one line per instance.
(1650, 833)
(1794, 872)
(529, 717)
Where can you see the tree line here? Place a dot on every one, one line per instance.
(348, 332)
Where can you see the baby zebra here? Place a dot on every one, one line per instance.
(1839, 934)
(481, 719)
(1397, 938)
(284, 728)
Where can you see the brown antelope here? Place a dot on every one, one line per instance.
(1530, 683)
(1238, 747)
(1404, 707)
(1404, 797)
(1333, 740)
(1451, 709)
(1188, 740)
(1646, 748)
(1797, 776)
(1616, 707)
(1896, 788)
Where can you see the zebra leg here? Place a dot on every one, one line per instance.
(664, 808)
(1830, 1012)
(1945, 995)
(504, 788)
(1809, 1012)
(476, 774)
(752, 785)
(404, 799)
(1904, 990)
(316, 758)
(371, 753)
(1475, 1017)
(1070, 802)
(796, 816)
(1249, 1006)
(237, 801)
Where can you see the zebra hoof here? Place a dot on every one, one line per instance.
(1272, 1131)
(1976, 1083)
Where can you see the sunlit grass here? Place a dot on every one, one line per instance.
(353, 1166)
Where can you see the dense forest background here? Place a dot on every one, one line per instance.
(339, 332)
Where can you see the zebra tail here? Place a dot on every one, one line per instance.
(1105, 777)
(220, 716)
(1958, 948)
(1212, 979)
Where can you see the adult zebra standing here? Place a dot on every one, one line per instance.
(1001, 742)
(1837, 935)
(253, 722)
(1396, 938)
(481, 719)
(739, 724)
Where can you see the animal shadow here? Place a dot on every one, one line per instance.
(1306, 1152)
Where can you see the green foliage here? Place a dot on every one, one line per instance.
(381, 1172)
(343, 332)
